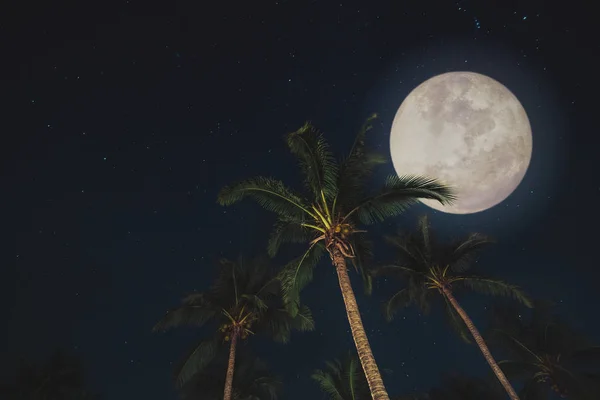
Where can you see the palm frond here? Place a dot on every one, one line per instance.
(316, 161)
(456, 322)
(196, 360)
(496, 287)
(462, 253)
(287, 231)
(327, 384)
(363, 262)
(425, 235)
(398, 194)
(271, 194)
(356, 169)
(408, 249)
(297, 274)
(400, 299)
(532, 390)
(521, 370)
(303, 321)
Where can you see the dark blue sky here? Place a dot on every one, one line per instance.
(122, 120)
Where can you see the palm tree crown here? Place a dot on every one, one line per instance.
(244, 299)
(425, 264)
(334, 202)
(546, 354)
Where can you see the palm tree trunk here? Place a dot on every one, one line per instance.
(482, 346)
(363, 347)
(230, 367)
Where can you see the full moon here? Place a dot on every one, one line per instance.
(468, 131)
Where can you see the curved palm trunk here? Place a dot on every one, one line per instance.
(230, 367)
(482, 346)
(363, 347)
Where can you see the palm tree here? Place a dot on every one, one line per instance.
(244, 299)
(546, 354)
(326, 217)
(61, 377)
(252, 380)
(425, 264)
(343, 380)
(460, 388)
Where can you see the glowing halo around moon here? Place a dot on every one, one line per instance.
(468, 131)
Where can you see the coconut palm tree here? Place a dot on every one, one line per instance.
(461, 388)
(326, 218)
(61, 377)
(428, 268)
(252, 380)
(546, 354)
(245, 298)
(343, 380)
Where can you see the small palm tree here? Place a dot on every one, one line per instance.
(61, 377)
(460, 388)
(428, 268)
(244, 299)
(546, 354)
(343, 380)
(327, 216)
(252, 380)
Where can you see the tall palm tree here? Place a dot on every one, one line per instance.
(327, 215)
(61, 377)
(343, 379)
(427, 268)
(252, 380)
(245, 298)
(460, 388)
(546, 354)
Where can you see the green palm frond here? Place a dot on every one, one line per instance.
(255, 302)
(343, 379)
(316, 161)
(280, 323)
(408, 249)
(287, 231)
(496, 287)
(357, 169)
(271, 194)
(462, 253)
(400, 299)
(518, 369)
(196, 360)
(327, 384)
(297, 274)
(398, 194)
(533, 390)
(303, 321)
(456, 322)
(363, 262)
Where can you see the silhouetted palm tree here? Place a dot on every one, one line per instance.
(245, 298)
(460, 388)
(428, 268)
(252, 380)
(61, 377)
(546, 354)
(327, 216)
(343, 380)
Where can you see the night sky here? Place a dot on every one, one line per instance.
(121, 121)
